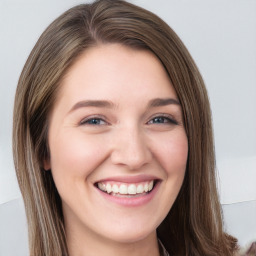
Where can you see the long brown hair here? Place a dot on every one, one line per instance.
(194, 224)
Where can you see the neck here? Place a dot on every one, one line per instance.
(92, 245)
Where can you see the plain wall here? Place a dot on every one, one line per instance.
(220, 35)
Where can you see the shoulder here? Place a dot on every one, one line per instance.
(249, 250)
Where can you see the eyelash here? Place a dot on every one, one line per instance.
(90, 119)
(166, 119)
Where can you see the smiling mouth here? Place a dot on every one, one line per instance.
(129, 190)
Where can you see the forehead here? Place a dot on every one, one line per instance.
(115, 71)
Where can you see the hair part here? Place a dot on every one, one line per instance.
(194, 223)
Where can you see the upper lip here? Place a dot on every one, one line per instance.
(130, 178)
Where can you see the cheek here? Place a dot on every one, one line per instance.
(173, 154)
(74, 155)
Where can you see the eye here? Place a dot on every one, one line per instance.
(162, 120)
(93, 121)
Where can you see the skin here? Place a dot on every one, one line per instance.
(125, 138)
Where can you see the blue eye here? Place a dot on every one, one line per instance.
(162, 120)
(93, 121)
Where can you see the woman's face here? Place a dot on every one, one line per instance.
(117, 129)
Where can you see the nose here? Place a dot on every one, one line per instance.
(131, 149)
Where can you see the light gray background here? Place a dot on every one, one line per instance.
(221, 36)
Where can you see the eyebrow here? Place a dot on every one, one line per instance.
(163, 102)
(93, 103)
(158, 102)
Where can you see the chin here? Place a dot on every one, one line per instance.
(130, 232)
(130, 237)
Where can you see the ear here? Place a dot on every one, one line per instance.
(47, 164)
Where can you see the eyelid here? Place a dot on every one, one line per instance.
(170, 118)
(99, 117)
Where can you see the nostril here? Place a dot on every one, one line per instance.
(131, 150)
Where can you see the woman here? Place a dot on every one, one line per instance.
(112, 139)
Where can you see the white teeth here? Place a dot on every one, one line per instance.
(140, 189)
(102, 186)
(126, 189)
(123, 189)
(132, 189)
(150, 185)
(109, 188)
(115, 188)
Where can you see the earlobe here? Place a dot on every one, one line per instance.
(46, 164)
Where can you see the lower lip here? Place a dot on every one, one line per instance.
(131, 201)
